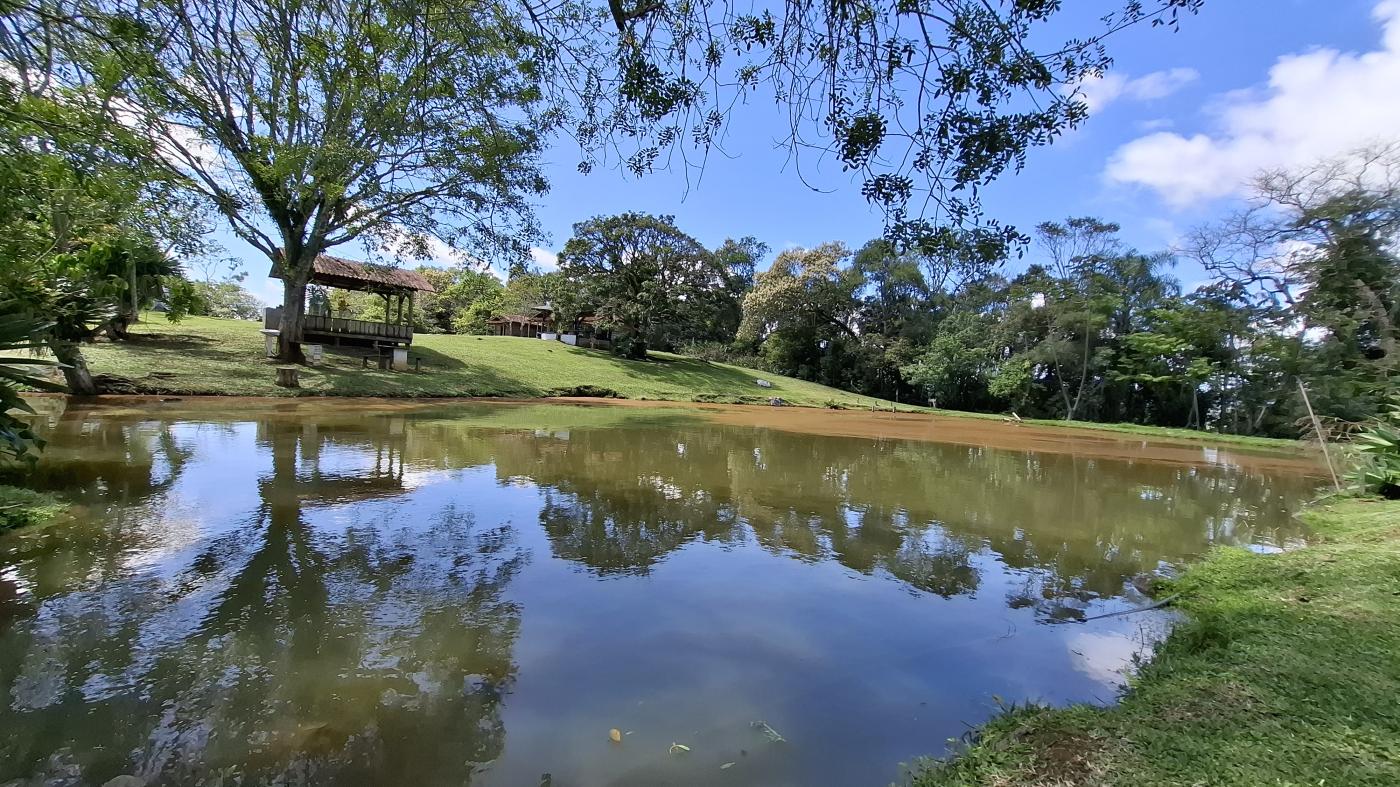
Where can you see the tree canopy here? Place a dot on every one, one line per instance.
(641, 275)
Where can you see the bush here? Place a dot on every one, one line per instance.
(24, 507)
(733, 354)
(1378, 447)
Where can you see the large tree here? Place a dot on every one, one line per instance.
(1316, 254)
(88, 229)
(803, 312)
(638, 272)
(310, 124)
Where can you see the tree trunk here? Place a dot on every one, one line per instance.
(293, 316)
(118, 328)
(135, 297)
(75, 369)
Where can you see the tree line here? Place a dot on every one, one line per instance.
(1303, 294)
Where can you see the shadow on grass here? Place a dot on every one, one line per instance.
(168, 340)
(690, 374)
(441, 375)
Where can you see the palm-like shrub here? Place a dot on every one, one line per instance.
(1378, 446)
(20, 336)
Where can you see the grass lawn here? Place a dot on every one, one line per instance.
(207, 356)
(1285, 671)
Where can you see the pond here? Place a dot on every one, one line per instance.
(325, 592)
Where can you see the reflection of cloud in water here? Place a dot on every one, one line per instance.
(1108, 657)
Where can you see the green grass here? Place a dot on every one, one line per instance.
(1284, 671)
(225, 357)
(24, 507)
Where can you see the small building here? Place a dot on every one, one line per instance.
(539, 322)
(395, 285)
(531, 323)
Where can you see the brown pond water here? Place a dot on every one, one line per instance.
(345, 592)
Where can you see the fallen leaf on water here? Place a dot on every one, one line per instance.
(726, 766)
(615, 735)
(676, 748)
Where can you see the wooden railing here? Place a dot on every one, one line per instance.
(365, 328)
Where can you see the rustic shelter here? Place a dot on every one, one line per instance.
(395, 285)
(531, 323)
(538, 322)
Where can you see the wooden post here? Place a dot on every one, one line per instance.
(287, 377)
(1321, 436)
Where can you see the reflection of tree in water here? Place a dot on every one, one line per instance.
(368, 651)
(1071, 529)
(283, 651)
(114, 463)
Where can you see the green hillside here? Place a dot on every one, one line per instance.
(208, 356)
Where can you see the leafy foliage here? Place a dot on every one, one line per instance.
(1318, 246)
(926, 99)
(20, 337)
(642, 275)
(24, 507)
(1379, 447)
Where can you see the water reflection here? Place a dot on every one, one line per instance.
(282, 647)
(1077, 528)
(359, 596)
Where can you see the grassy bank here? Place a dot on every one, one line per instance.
(24, 507)
(225, 357)
(1284, 671)
(1153, 432)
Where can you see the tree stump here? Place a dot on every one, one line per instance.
(287, 376)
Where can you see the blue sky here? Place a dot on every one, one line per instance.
(1176, 129)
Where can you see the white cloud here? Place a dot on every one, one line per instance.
(1099, 92)
(1167, 231)
(544, 258)
(269, 291)
(1315, 105)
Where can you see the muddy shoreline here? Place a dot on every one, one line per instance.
(878, 425)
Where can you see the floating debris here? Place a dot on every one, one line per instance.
(768, 732)
(679, 748)
(615, 735)
(726, 766)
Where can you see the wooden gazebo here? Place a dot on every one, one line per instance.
(534, 321)
(395, 285)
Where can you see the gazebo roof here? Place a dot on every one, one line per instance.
(526, 319)
(351, 275)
